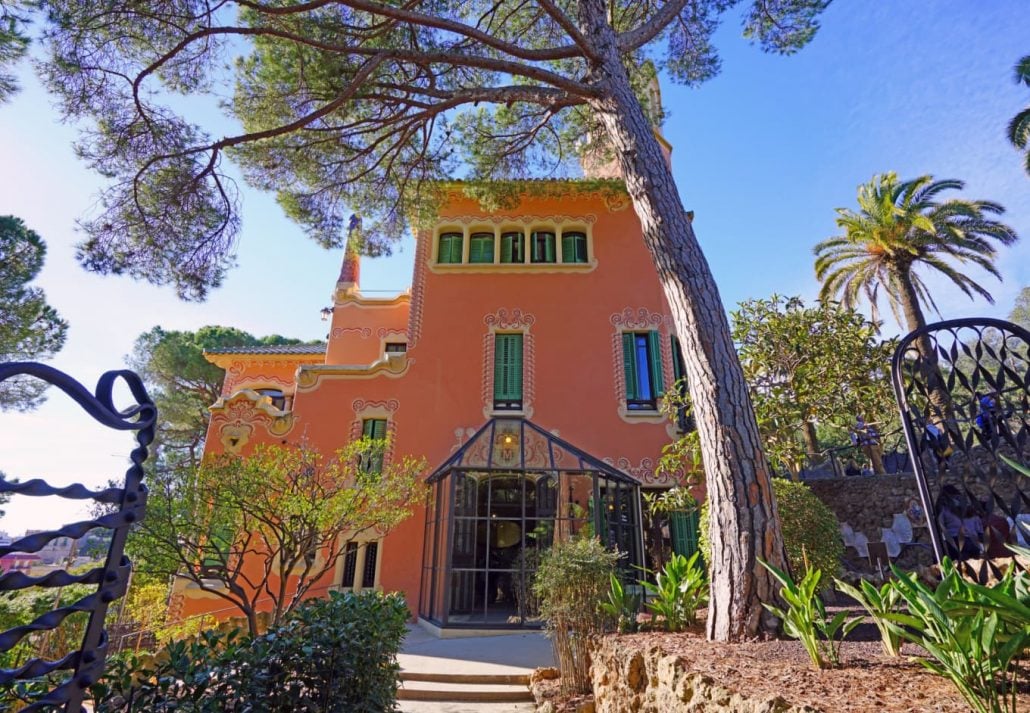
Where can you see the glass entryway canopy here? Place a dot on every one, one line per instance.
(497, 504)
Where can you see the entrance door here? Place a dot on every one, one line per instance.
(502, 521)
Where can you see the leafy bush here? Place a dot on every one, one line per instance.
(678, 592)
(880, 604)
(974, 633)
(805, 617)
(329, 655)
(571, 583)
(622, 606)
(811, 532)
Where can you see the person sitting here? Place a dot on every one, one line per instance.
(986, 414)
(998, 533)
(851, 468)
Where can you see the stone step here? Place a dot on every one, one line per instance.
(463, 692)
(468, 678)
(460, 707)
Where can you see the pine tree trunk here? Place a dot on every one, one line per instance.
(744, 522)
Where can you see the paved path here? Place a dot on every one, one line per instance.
(520, 653)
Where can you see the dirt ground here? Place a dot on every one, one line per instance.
(868, 681)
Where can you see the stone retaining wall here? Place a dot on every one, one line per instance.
(653, 682)
(867, 503)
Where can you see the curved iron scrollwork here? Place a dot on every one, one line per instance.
(85, 664)
(963, 387)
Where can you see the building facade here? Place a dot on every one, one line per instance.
(525, 363)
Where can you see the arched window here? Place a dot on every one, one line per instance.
(450, 248)
(574, 247)
(481, 247)
(543, 247)
(513, 247)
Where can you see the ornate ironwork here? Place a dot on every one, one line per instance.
(85, 664)
(963, 387)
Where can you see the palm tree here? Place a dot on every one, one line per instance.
(1019, 127)
(900, 225)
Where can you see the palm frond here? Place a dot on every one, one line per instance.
(1022, 71)
(1019, 129)
(901, 224)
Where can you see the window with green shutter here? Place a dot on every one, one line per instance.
(574, 247)
(374, 429)
(450, 248)
(642, 365)
(543, 247)
(481, 247)
(508, 372)
(684, 419)
(684, 530)
(513, 247)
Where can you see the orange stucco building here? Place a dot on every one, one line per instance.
(524, 363)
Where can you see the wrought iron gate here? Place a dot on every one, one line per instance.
(963, 387)
(86, 664)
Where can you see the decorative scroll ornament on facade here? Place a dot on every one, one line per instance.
(236, 417)
(363, 332)
(236, 375)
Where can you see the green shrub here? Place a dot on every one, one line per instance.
(805, 617)
(571, 583)
(680, 589)
(810, 530)
(329, 656)
(974, 634)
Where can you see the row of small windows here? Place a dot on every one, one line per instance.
(541, 247)
(641, 361)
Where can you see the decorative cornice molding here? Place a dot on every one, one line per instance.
(466, 220)
(349, 297)
(363, 332)
(241, 361)
(391, 366)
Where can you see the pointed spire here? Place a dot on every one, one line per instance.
(350, 270)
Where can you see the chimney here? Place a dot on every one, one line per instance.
(596, 165)
(350, 274)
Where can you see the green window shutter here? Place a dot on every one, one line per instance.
(450, 248)
(568, 247)
(508, 367)
(574, 247)
(678, 370)
(511, 247)
(375, 429)
(515, 367)
(542, 246)
(629, 364)
(683, 528)
(481, 248)
(654, 353)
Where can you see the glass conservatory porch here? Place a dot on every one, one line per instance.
(497, 504)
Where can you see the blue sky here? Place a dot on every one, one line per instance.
(763, 154)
